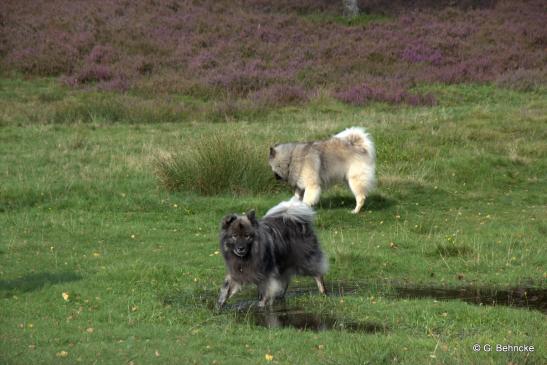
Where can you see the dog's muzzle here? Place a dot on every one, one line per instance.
(240, 251)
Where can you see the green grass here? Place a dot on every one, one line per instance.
(45, 102)
(461, 196)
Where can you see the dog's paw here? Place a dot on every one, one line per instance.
(219, 306)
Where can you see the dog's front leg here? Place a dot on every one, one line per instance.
(269, 291)
(321, 284)
(311, 181)
(263, 298)
(311, 194)
(299, 193)
(229, 288)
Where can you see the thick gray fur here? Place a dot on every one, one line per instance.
(268, 252)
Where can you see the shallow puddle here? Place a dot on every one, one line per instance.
(306, 321)
(520, 297)
(281, 316)
(531, 298)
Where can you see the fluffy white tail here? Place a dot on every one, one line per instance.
(359, 138)
(292, 209)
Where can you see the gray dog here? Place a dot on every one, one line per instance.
(310, 166)
(269, 251)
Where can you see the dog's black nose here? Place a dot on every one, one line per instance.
(277, 177)
(241, 250)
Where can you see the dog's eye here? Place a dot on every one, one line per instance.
(234, 237)
(248, 237)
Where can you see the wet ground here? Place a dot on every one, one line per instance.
(530, 298)
(519, 297)
(282, 315)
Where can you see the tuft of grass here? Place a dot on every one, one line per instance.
(357, 21)
(214, 164)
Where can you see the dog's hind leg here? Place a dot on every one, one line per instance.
(229, 288)
(320, 284)
(285, 280)
(358, 188)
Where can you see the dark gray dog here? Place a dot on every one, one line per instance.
(268, 252)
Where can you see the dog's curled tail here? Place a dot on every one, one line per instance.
(292, 209)
(359, 138)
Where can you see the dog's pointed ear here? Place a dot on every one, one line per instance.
(272, 152)
(226, 221)
(251, 215)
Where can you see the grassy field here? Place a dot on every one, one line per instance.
(99, 263)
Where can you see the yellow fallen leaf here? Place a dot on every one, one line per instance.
(268, 357)
(62, 354)
(66, 296)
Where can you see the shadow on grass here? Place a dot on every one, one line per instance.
(31, 282)
(452, 250)
(26, 198)
(373, 202)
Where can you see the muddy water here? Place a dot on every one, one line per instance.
(281, 315)
(306, 320)
(519, 297)
(531, 298)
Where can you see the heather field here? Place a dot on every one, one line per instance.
(128, 129)
(257, 54)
